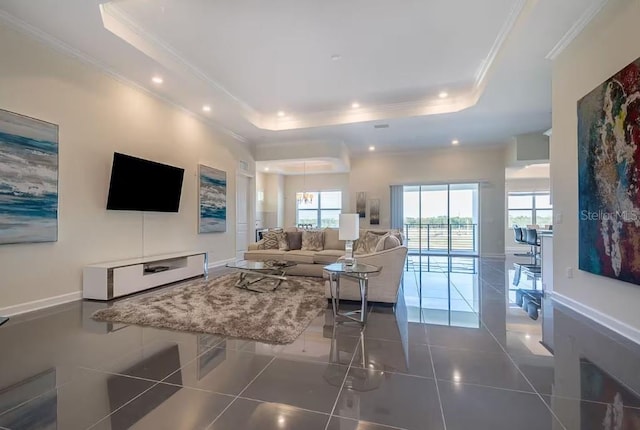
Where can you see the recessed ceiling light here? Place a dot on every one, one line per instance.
(372, 148)
(157, 79)
(281, 113)
(355, 105)
(443, 95)
(455, 142)
(336, 57)
(266, 169)
(206, 108)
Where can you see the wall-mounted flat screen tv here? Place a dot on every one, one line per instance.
(143, 185)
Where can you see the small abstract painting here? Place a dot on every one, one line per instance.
(609, 177)
(28, 179)
(361, 204)
(374, 211)
(607, 404)
(212, 200)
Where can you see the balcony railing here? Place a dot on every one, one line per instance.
(437, 238)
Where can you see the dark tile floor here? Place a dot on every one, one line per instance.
(456, 353)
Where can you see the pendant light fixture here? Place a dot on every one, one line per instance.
(304, 197)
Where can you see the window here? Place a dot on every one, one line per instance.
(529, 208)
(319, 208)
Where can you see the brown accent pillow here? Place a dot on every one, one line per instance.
(294, 238)
(312, 240)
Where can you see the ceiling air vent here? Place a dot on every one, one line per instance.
(381, 126)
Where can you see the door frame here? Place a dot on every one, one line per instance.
(251, 191)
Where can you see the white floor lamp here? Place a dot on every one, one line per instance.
(349, 231)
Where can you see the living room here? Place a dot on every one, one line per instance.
(281, 115)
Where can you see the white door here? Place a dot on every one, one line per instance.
(242, 215)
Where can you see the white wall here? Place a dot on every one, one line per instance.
(274, 200)
(375, 173)
(260, 200)
(320, 182)
(98, 115)
(608, 44)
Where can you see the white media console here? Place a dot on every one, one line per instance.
(107, 281)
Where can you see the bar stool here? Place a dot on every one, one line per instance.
(519, 238)
(533, 241)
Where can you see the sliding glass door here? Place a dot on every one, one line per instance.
(441, 219)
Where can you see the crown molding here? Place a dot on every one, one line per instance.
(113, 15)
(65, 49)
(504, 33)
(576, 29)
(120, 23)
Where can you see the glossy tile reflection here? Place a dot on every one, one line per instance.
(455, 351)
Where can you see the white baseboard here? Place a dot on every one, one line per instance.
(69, 297)
(220, 263)
(601, 318)
(40, 304)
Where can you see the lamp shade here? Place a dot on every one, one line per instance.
(349, 227)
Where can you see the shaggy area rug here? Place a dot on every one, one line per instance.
(217, 307)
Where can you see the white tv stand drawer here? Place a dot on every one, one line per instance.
(107, 281)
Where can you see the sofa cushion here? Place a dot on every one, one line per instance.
(294, 238)
(327, 256)
(299, 256)
(332, 239)
(312, 240)
(264, 255)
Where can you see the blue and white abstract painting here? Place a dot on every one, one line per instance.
(28, 179)
(213, 200)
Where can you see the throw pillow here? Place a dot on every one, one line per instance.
(398, 234)
(380, 245)
(295, 239)
(391, 242)
(367, 244)
(283, 243)
(312, 240)
(272, 239)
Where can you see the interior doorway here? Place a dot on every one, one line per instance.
(243, 215)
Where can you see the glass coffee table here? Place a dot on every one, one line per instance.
(252, 272)
(358, 271)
